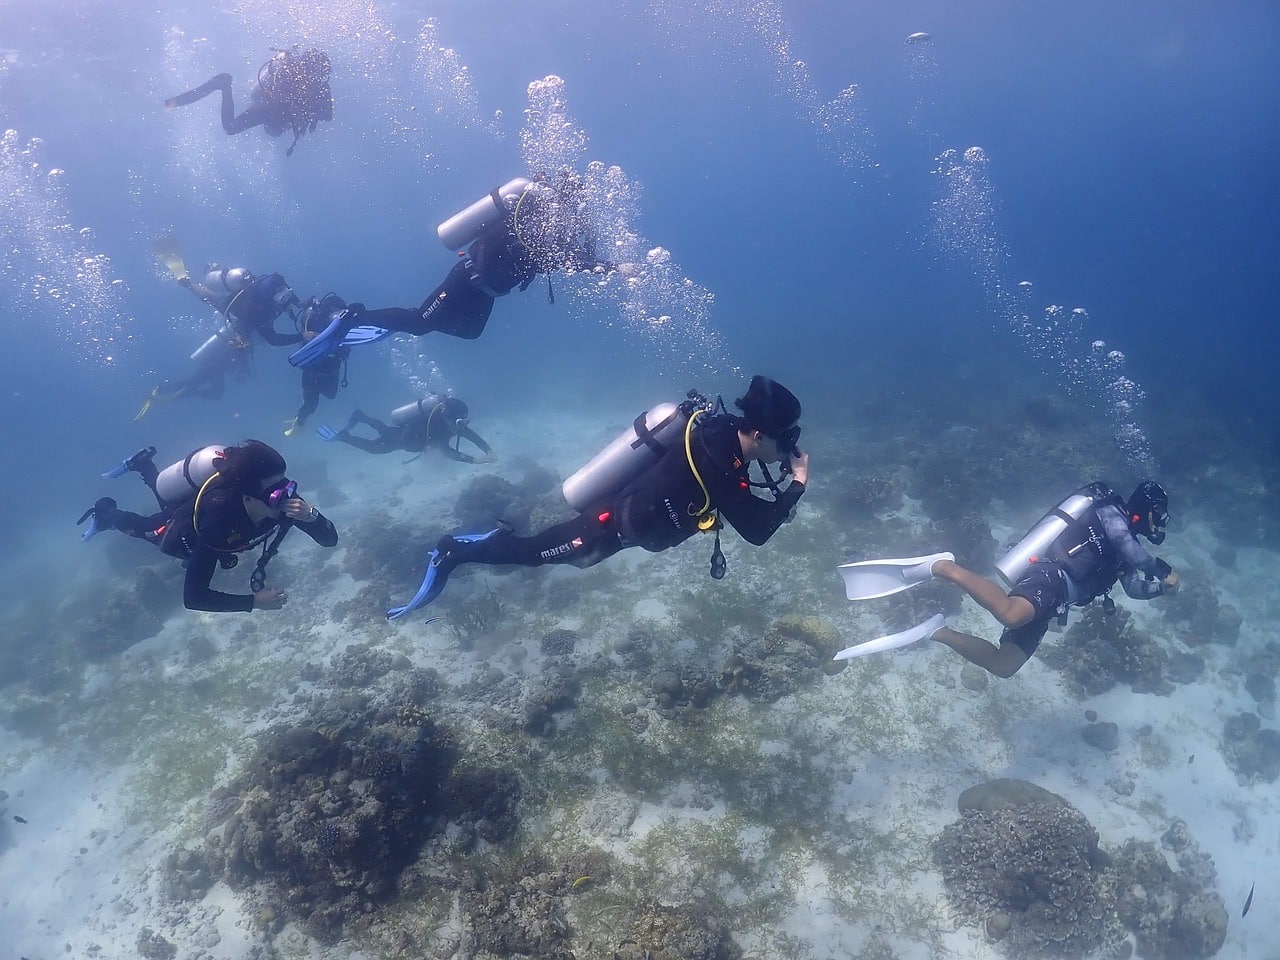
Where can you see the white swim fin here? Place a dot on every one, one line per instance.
(895, 640)
(872, 579)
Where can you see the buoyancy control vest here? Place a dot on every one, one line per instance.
(1072, 536)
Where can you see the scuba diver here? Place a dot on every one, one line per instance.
(514, 234)
(678, 470)
(249, 305)
(328, 376)
(433, 423)
(1075, 554)
(215, 503)
(292, 93)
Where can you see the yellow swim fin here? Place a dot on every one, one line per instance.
(169, 250)
(147, 404)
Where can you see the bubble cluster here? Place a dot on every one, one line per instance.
(446, 81)
(49, 271)
(964, 228)
(759, 29)
(643, 286)
(549, 140)
(415, 367)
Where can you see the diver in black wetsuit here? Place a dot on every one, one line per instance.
(668, 503)
(432, 423)
(292, 93)
(247, 501)
(327, 376)
(545, 230)
(250, 306)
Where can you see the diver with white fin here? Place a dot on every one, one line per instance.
(1074, 554)
(249, 305)
(678, 470)
(435, 422)
(505, 240)
(214, 504)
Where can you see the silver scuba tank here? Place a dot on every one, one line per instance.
(1015, 564)
(208, 351)
(417, 410)
(229, 281)
(466, 225)
(634, 450)
(181, 480)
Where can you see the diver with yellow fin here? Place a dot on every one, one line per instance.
(678, 470)
(249, 306)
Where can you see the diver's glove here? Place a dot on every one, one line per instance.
(100, 517)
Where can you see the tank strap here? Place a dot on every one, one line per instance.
(649, 437)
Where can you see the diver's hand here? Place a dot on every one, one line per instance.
(300, 511)
(800, 466)
(1171, 583)
(270, 598)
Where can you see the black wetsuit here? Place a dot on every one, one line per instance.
(292, 93)
(325, 377)
(224, 530)
(413, 437)
(656, 511)
(1084, 563)
(496, 263)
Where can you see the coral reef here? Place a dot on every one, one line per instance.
(1196, 611)
(329, 811)
(1029, 866)
(1102, 650)
(792, 654)
(660, 931)
(1252, 752)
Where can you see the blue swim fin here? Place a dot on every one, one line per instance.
(129, 463)
(357, 336)
(439, 567)
(326, 433)
(323, 343)
(432, 586)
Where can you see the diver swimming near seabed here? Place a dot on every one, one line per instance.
(680, 469)
(434, 422)
(214, 504)
(1074, 555)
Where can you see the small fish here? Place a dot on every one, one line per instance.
(432, 620)
(579, 882)
(1191, 759)
(1248, 901)
(19, 819)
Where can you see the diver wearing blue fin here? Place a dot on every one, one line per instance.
(214, 504)
(435, 422)
(679, 470)
(1075, 554)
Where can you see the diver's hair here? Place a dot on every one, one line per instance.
(454, 409)
(249, 463)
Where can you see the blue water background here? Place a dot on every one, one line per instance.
(1131, 161)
